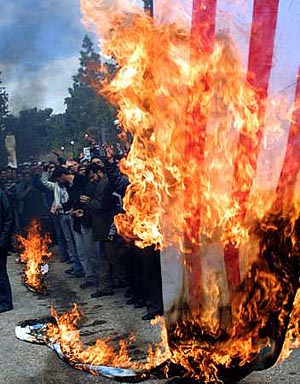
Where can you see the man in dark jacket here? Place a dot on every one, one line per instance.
(146, 278)
(6, 229)
(102, 207)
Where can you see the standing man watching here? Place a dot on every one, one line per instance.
(6, 230)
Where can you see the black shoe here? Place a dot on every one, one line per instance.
(5, 308)
(76, 274)
(69, 271)
(120, 285)
(87, 284)
(151, 316)
(67, 261)
(102, 293)
(139, 304)
(128, 293)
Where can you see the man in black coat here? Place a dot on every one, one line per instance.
(147, 281)
(6, 229)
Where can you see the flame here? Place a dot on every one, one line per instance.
(292, 340)
(157, 88)
(35, 253)
(103, 352)
(197, 183)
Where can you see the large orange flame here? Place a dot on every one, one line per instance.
(202, 197)
(34, 254)
(156, 90)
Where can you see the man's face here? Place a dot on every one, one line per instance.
(81, 171)
(27, 178)
(93, 176)
(34, 166)
(51, 168)
(64, 179)
(72, 165)
(20, 177)
(3, 175)
(98, 161)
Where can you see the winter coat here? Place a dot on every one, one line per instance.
(102, 207)
(118, 181)
(6, 221)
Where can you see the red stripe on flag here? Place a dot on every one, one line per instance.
(291, 165)
(202, 41)
(259, 68)
(262, 43)
(203, 24)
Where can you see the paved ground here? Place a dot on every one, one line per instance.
(24, 363)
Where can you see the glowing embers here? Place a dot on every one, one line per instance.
(62, 334)
(220, 341)
(34, 255)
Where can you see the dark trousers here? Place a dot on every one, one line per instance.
(147, 285)
(5, 289)
(112, 266)
(152, 270)
(138, 281)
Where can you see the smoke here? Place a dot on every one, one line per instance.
(40, 45)
(46, 87)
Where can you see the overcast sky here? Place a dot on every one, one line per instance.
(41, 39)
(39, 50)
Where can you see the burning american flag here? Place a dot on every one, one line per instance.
(213, 172)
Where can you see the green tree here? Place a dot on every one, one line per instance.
(34, 128)
(148, 6)
(86, 109)
(3, 104)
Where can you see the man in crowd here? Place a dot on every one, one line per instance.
(147, 283)
(71, 218)
(6, 230)
(101, 205)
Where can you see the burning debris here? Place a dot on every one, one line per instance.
(34, 255)
(62, 334)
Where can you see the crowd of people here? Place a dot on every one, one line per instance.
(76, 200)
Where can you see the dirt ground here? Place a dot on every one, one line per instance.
(25, 363)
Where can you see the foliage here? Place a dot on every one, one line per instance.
(148, 6)
(3, 104)
(33, 132)
(38, 131)
(87, 111)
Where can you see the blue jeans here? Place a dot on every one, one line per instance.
(91, 257)
(67, 228)
(61, 241)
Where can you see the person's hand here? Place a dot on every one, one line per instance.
(56, 152)
(108, 152)
(78, 212)
(84, 198)
(54, 210)
(88, 138)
